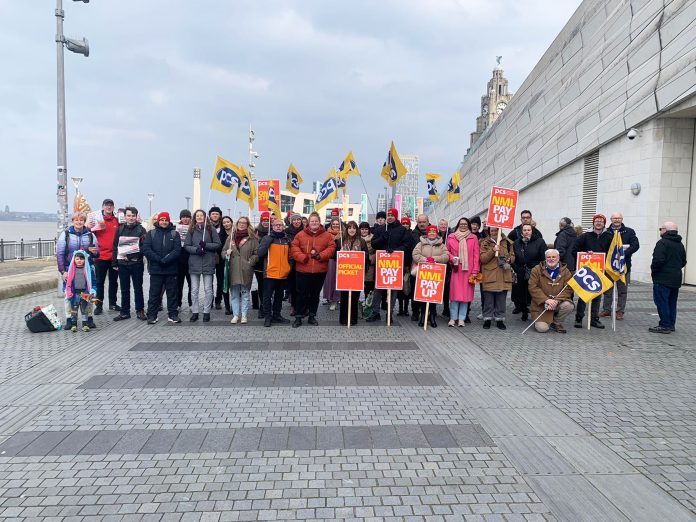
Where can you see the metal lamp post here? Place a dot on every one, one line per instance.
(150, 197)
(188, 202)
(80, 47)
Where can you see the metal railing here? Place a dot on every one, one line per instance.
(31, 249)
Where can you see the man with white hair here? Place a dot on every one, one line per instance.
(552, 298)
(630, 247)
(669, 258)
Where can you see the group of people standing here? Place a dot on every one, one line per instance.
(295, 260)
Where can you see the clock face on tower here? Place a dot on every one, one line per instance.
(501, 107)
(484, 110)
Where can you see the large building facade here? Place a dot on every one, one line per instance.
(604, 123)
(407, 186)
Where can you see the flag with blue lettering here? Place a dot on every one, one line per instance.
(589, 283)
(294, 180)
(225, 176)
(453, 191)
(616, 259)
(431, 181)
(327, 192)
(393, 169)
(348, 166)
(272, 202)
(246, 191)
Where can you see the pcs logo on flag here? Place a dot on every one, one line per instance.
(227, 177)
(588, 280)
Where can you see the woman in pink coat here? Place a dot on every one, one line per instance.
(463, 248)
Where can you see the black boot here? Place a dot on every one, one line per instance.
(297, 323)
(267, 322)
(312, 320)
(421, 321)
(415, 316)
(206, 318)
(432, 320)
(487, 324)
(525, 315)
(194, 318)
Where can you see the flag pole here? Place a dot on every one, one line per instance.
(350, 306)
(588, 308)
(613, 306)
(425, 322)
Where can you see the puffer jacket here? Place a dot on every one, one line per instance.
(162, 247)
(202, 264)
(66, 247)
(242, 259)
(302, 245)
(495, 277)
(424, 250)
(565, 243)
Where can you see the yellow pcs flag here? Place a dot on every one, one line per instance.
(615, 265)
(294, 180)
(589, 283)
(225, 175)
(272, 202)
(393, 169)
(327, 192)
(246, 191)
(348, 166)
(453, 192)
(430, 180)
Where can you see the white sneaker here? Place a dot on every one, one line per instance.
(234, 319)
(333, 306)
(461, 323)
(244, 319)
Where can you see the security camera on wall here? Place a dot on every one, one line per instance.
(632, 134)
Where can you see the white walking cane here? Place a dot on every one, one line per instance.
(545, 308)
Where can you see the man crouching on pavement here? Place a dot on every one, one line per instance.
(552, 298)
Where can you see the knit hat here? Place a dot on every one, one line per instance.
(334, 212)
(364, 224)
(406, 221)
(600, 216)
(295, 215)
(381, 214)
(163, 215)
(431, 227)
(185, 213)
(393, 212)
(265, 215)
(215, 209)
(476, 220)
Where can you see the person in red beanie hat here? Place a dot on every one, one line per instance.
(393, 212)
(335, 212)
(406, 221)
(261, 231)
(596, 240)
(162, 247)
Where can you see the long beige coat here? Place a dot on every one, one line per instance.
(242, 260)
(541, 288)
(495, 277)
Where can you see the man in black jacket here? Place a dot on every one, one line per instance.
(596, 240)
(630, 246)
(526, 218)
(393, 236)
(565, 241)
(129, 263)
(215, 215)
(669, 257)
(162, 247)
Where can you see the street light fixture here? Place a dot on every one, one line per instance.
(188, 202)
(80, 47)
(150, 197)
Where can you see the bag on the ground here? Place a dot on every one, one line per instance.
(43, 319)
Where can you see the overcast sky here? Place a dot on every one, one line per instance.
(171, 84)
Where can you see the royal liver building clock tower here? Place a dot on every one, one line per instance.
(493, 103)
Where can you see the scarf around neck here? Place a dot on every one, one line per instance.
(239, 235)
(463, 251)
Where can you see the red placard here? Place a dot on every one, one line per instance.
(430, 283)
(264, 187)
(595, 260)
(350, 271)
(501, 208)
(389, 270)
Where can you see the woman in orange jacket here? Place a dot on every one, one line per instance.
(311, 249)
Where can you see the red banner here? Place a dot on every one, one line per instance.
(389, 270)
(430, 283)
(501, 208)
(350, 271)
(264, 187)
(595, 260)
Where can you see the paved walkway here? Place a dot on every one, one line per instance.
(222, 422)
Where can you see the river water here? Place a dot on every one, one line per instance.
(27, 230)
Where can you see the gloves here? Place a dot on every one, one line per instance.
(200, 251)
(431, 259)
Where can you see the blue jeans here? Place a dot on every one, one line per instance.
(666, 301)
(125, 274)
(458, 310)
(239, 295)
